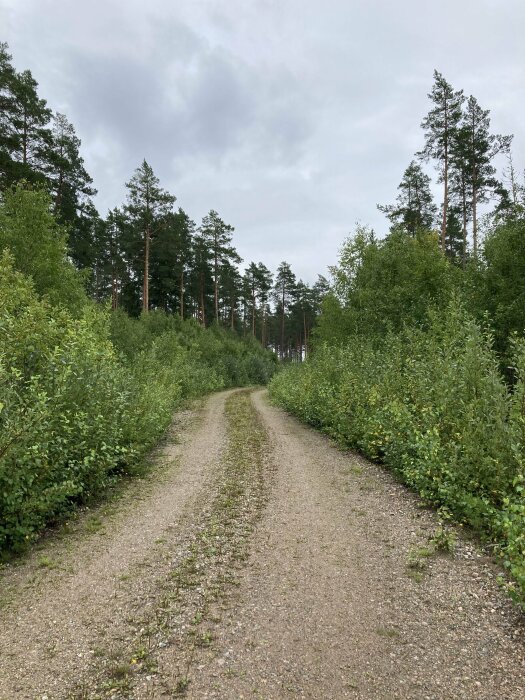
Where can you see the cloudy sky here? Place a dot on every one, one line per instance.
(291, 118)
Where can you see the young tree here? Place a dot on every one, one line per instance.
(440, 126)
(217, 237)
(39, 245)
(414, 208)
(503, 281)
(147, 207)
(381, 285)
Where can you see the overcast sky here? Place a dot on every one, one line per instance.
(291, 118)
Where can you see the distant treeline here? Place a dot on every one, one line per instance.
(148, 253)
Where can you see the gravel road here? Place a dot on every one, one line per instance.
(258, 561)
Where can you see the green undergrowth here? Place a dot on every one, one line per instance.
(194, 592)
(431, 404)
(85, 393)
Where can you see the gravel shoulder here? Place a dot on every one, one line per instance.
(259, 561)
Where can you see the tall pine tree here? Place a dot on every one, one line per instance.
(217, 237)
(440, 126)
(481, 148)
(147, 206)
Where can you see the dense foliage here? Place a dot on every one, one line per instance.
(86, 391)
(433, 406)
(407, 371)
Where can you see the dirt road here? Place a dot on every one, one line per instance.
(258, 561)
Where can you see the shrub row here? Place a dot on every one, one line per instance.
(433, 406)
(84, 396)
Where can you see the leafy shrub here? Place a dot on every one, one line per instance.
(62, 406)
(432, 405)
(84, 393)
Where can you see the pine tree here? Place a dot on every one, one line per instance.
(32, 137)
(230, 291)
(481, 147)
(440, 126)
(460, 184)
(283, 294)
(258, 282)
(113, 254)
(147, 206)
(201, 278)
(7, 111)
(217, 237)
(170, 260)
(414, 208)
(264, 286)
(71, 186)
(25, 137)
(510, 194)
(250, 279)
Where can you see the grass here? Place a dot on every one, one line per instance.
(45, 562)
(388, 632)
(441, 541)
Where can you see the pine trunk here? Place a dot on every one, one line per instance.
(114, 289)
(445, 205)
(464, 252)
(305, 337)
(253, 312)
(282, 326)
(181, 293)
(24, 140)
(216, 287)
(203, 319)
(145, 291)
(474, 223)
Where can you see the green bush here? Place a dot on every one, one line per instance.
(84, 393)
(62, 407)
(433, 406)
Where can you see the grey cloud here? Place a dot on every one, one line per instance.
(293, 119)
